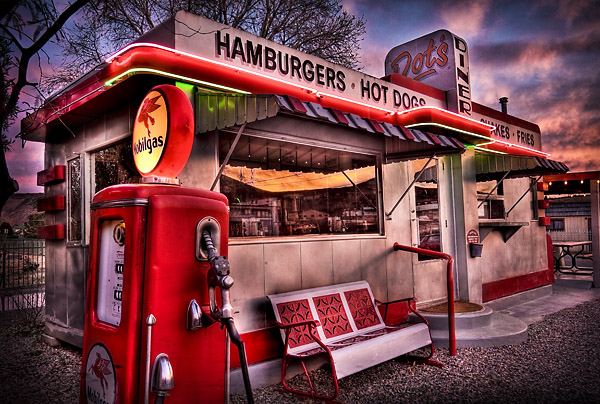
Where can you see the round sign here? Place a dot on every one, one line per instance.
(163, 132)
(100, 378)
(472, 236)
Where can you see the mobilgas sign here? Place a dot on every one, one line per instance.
(163, 132)
(440, 59)
(218, 42)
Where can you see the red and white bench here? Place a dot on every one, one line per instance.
(343, 322)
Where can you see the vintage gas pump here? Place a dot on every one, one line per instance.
(158, 280)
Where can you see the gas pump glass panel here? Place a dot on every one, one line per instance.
(110, 271)
(427, 207)
(278, 189)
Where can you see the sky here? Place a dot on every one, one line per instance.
(543, 55)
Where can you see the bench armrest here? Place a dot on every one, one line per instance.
(410, 301)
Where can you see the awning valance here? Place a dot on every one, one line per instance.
(221, 111)
(494, 167)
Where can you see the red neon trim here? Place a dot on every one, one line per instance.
(510, 286)
(509, 148)
(403, 81)
(153, 56)
(437, 116)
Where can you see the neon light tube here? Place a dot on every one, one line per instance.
(401, 114)
(112, 58)
(445, 111)
(110, 82)
(439, 125)
(321, 95)
(489, 150)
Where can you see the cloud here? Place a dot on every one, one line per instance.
(24, 163)
(465, 18)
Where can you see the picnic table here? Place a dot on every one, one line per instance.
(574, 250)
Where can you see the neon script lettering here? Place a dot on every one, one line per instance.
(422, 64)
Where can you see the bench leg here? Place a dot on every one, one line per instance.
(312, 392)
(425, 359)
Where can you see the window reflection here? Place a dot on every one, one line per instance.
(427, 207)
(282, 189)
(114, 165)
(74, 168)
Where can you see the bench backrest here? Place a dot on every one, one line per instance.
(344, 310)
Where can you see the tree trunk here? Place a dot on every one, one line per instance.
(8, 185)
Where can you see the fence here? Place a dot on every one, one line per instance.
(22, 273)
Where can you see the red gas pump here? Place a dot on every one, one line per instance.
(158, 279)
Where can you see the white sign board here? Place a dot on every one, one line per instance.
(236, 48)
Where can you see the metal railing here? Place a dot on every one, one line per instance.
(22, 273)
(449, 287)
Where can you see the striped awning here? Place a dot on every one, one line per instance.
(494, 167)
(221, 111)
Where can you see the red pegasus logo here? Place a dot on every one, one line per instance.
(148, 107)
(100, 369)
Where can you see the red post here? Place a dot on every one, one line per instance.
(450, 286)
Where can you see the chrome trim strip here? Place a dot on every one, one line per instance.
(120, 203)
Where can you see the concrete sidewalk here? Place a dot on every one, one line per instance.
(567, 291)
(505, 321)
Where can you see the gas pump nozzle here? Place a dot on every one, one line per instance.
(218, 275)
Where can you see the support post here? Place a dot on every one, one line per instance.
(595, 200)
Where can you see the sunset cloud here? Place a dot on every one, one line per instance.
(544, 55)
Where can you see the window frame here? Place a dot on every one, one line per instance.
(76, 242)
(279, 137)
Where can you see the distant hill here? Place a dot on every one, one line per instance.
(17, 209)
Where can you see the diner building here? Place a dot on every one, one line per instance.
(325, 168)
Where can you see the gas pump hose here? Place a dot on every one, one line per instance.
(237, 340)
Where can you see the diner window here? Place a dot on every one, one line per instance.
(278, 189)
(427, 207)
(114, 165)
(557, 225)
(493, 206)
(74, 199)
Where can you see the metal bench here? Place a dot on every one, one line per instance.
(343, 322)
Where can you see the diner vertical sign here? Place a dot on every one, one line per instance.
(440, 59)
